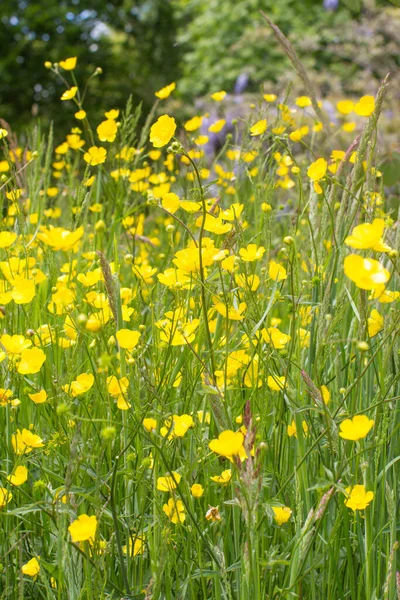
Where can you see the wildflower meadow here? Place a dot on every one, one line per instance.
(199, 350)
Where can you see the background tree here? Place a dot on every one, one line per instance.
(132, 41)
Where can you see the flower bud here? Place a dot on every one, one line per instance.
(362, 346)
(100, 226)
(82, 319)
(62, 409)
(176, 148)
(108, 433)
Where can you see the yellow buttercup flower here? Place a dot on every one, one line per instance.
(5, 395)
(317, 170)
(80, 115)
(18, 476)
(107, 131)
(31, 568)
(276, 338)
(60, 239)
(358, 498)
(95, 156)
(150, 424)
(170, 202)
(298, 135)
(356, 428)
(217, 126)
(325, 393)
(193, 124)
(122, 402)
(112, 114)
(83, 528)
(69, 94)
(231, 312)
(162, 131)
(218, 96)
(349, 127)
(138, 547)
(366, 273)
(5, 497)
(25, 441)
(365, 106)
(177, 426)
(24, 290)
(345, 107)
(214, 225)
(197, 490)
(303, 101)
(174, 278)
(31, 361)
(259, 128)
(188, 260)
(169, 482)
(275, 383)
(375, 323)
(74, 141)
(117, 387)
(82, 384)
(367, 235)
(229, 444)
(166, 91)
(68, 64)
(175, 511)
(292, 429)
(384, 296)
(177, 334)
(276, 271)
(282, 514)
(224, 478)
(14, 344)
(251, 253)
(127, 338)
(251, 282)
(7, 238)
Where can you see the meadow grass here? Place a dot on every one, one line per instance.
(197, 295)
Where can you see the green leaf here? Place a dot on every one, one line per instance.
(390, 168)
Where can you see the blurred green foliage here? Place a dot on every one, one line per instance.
(131, 40)
(223, 39)
(142, 45)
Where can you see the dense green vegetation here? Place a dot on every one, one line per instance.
(199, 305)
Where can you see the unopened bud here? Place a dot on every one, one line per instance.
(176, 148)
(100, 226)
(362, 346)
(108, 433)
